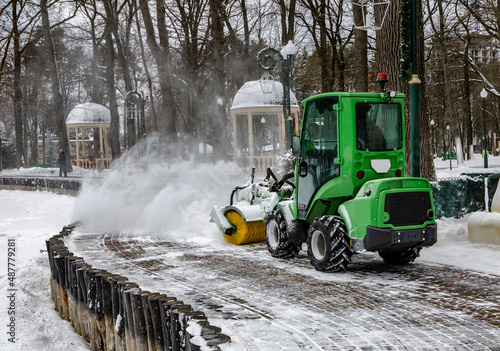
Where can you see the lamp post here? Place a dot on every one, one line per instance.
(414, 99)
(263, 143)
(483, 95)
(432, 138)
(287, 53)
(266, 60)
(135, 123)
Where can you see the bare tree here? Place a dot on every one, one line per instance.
(190, 24)
(112, 14)
(361, 52)
(439, 32)
(287, 14)
(56, 87)
(114, 133)
(218, 81)
(467, 116)
(315, 22)
(161, 52)
(18, 96)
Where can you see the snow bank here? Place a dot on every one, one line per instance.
(30, 218)
(453, 248)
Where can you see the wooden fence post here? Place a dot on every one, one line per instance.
(165, 304)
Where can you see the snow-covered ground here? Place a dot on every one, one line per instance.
(30, 218)
(138, 200)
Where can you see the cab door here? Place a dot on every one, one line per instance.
(319, 149)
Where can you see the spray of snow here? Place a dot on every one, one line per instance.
(148, 192)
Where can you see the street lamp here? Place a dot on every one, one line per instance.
(287, 53)
(135, 123)
(414, 99)
(483, 95)
(432, 138)
(266, 60)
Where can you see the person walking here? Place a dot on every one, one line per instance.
(62, 163)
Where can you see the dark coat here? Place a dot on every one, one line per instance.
(62, 159)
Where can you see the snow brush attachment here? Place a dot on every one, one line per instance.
(238, 231)
(246, 232)
(243, 221)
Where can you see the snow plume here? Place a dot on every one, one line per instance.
(149, 192)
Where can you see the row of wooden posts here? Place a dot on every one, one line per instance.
(114, 314)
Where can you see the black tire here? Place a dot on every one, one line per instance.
(328, 244)
(400, 257)
(278, 242)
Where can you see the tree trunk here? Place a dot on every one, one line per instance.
(467, 103)
(161, 55)
(455, 128)
(114, 133)
(60, 119)
(148, 77)
(387, 59)
(18, 95)
(360, 52)
(426, 155)
(219, 132)
(112, 20)
(287, 20)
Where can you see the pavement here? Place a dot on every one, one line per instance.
(268, 304)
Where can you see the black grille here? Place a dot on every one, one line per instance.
(406, 209)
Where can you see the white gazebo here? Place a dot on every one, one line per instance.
(259, 124)
(81, 119)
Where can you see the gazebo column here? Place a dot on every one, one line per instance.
(250, 139)
(101, 141)
(106, 143)
(77, 148)
(83, 149)
(235, 136)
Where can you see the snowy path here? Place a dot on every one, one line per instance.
(264, 304)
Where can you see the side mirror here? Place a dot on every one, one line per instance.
(295, 145)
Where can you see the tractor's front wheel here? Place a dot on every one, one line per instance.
(400, 257)
(328, 244)
(278, 241)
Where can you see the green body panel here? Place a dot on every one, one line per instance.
(333, 186)
(367, 207)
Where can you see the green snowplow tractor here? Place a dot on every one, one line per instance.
(350, 193)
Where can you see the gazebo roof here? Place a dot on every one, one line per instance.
(258, 93)
(89, 113)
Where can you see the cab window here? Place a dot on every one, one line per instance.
(378, 126)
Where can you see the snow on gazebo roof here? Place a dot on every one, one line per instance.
(258, 93)
(89, 113)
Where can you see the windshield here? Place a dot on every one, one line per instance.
(378, 126)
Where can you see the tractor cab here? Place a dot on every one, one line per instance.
(346, 140)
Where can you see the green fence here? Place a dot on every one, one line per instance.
(459, 196)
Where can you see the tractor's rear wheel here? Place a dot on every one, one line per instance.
(328, 244)
(278, 241)
(400, 257)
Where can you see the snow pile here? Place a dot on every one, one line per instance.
(31, 217)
